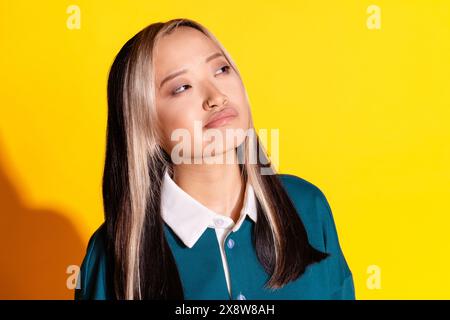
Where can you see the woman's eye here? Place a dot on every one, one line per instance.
(177, 91)
(227, 69)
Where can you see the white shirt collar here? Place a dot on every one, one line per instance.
(188, 218)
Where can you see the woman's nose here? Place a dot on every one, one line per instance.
(215, 99)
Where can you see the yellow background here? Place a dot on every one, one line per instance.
(362, 113)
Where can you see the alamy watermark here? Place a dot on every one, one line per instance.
(219, 140)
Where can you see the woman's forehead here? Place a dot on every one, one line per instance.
(187, 49)
(182, 48)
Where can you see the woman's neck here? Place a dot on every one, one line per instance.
(219, 187)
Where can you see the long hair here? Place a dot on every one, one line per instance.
(142, 263)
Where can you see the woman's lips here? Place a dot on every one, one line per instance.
(221, 118)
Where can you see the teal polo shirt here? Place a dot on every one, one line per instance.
(201, 269)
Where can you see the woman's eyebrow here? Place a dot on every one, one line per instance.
(177, 73)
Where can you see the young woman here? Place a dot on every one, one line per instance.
(187, 221)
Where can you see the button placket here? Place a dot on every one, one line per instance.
(235, 264)
(229, 244)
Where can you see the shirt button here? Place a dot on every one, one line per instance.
(241, 297)
(230, 243)
(218, 222)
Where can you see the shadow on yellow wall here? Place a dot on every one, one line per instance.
(37, 245)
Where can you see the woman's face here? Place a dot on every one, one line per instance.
(186, 101)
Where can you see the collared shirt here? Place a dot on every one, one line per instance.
(189, 218)
(200, 267)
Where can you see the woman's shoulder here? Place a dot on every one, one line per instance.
(300, 186)
(309, 200)
(313, 208)
(93, 276)
(97, 239)
(316, 214)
